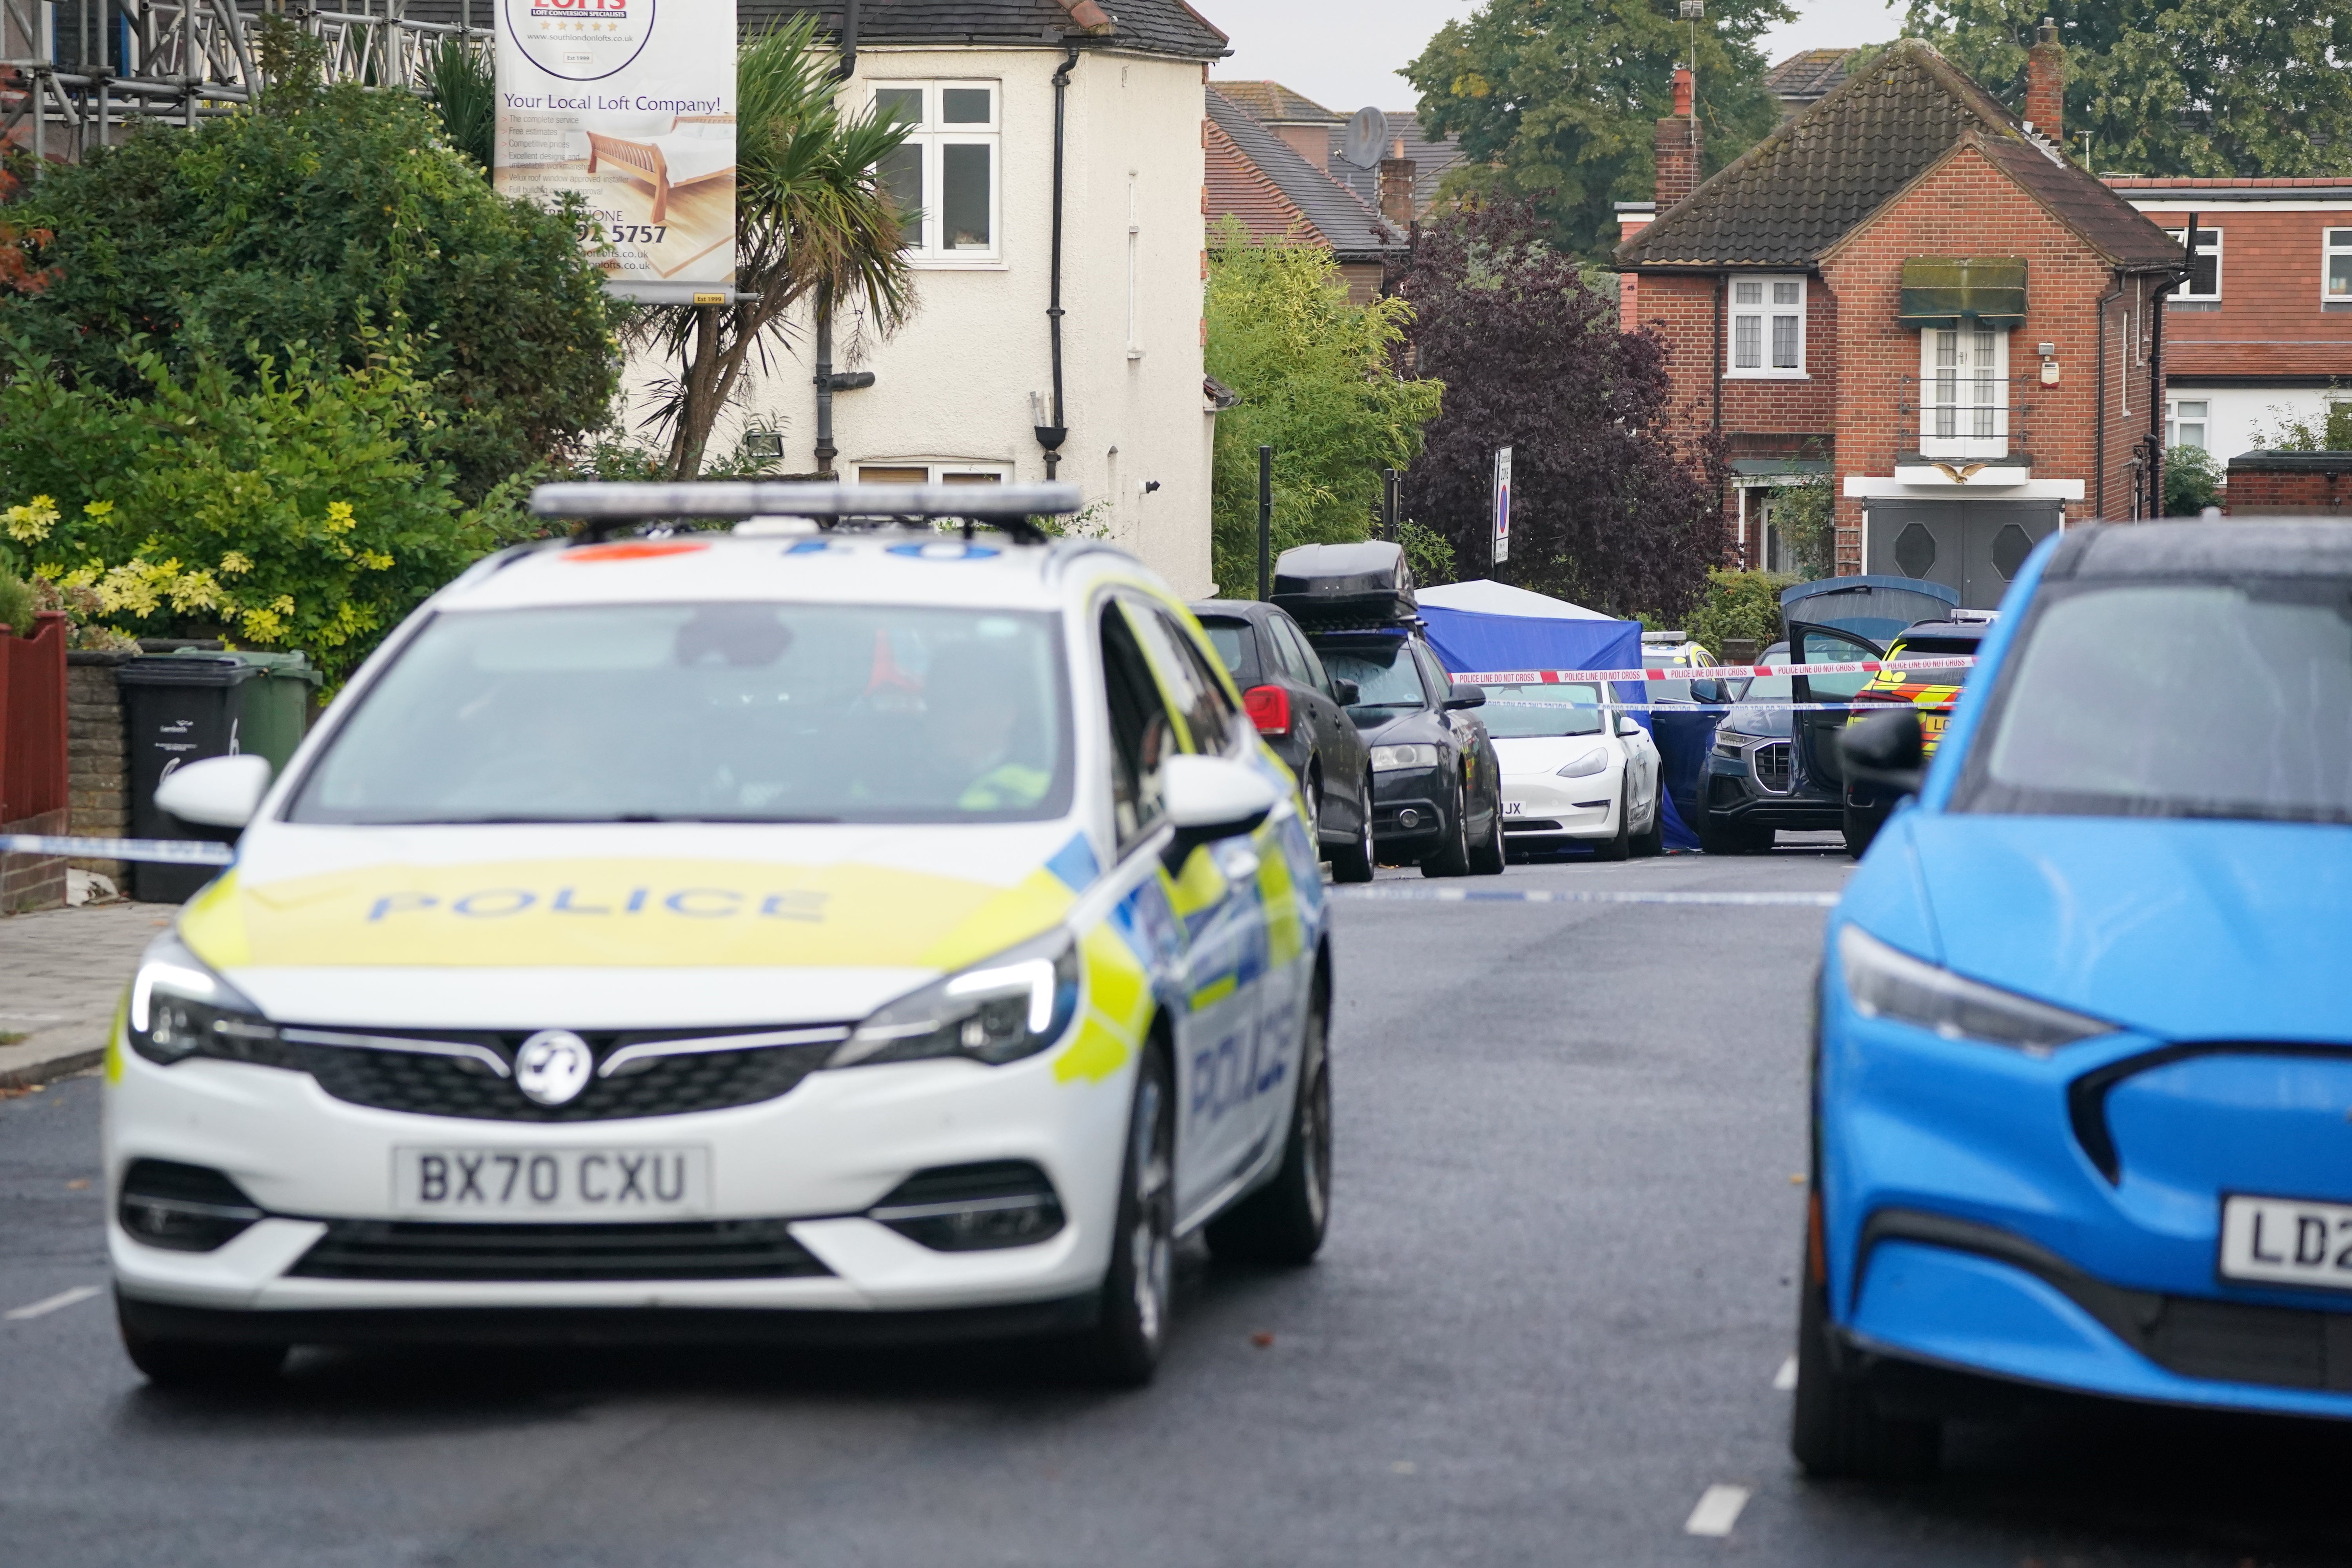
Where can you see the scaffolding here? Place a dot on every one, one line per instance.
(79, 73)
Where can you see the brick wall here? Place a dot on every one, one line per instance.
(2307, 488)
(2272, 319)
(33, 881)
(1967, 206)
(96, 756)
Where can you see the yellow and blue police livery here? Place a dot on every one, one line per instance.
(795, 930)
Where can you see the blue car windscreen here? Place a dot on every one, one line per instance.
(2176, 699)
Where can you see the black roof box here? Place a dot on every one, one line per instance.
(1333, 585)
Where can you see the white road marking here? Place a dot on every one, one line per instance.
(1717, 1511)
(1786, 1378)
(47, 1305)
(1571, 896)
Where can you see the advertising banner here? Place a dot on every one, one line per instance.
(630, 105)
(1501, 505)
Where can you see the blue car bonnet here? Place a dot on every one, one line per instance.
(2184, 929)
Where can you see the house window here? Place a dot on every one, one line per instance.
(2184, 422)
(2204, 268)
(915, 473)
(1767, 327)
(2336, 268)
(1964, 383)
(947, 175)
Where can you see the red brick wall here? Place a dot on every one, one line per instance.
(2269, 322)
(1968, 207)
(2252, 491)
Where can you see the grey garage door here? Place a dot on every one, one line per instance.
(1975, 546)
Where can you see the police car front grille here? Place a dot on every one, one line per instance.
(687, 1249)
(436, 1085)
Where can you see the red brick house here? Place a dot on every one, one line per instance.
(1911, 290)
(1255, 172)
(2261, 330)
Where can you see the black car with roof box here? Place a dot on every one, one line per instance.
(1437, 786)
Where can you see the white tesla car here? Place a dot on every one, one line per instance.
(1575, 771)
(807, 932)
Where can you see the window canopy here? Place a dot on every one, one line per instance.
(1951, 290)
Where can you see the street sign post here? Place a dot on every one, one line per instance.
(1501, 505)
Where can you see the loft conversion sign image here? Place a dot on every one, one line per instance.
(629, 105)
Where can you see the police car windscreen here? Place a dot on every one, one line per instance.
(708, 712)
(2176, 699)
(1524, 712)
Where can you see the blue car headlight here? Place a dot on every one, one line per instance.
(1885, 984)
(1013, 1006)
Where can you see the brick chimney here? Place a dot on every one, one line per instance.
(1677, 145)
(1397, 172)
(2045, 84)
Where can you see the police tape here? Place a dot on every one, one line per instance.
(1409, 893)
(163, 851)
(1713, 671)
(1880, 705)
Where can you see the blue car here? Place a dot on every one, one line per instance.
(2083, 1075)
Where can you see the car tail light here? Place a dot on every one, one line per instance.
(1269, 709)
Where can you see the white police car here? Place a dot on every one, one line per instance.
(809, 931)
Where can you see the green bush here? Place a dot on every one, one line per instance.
(2193, 482)
(334, 223)
(16, 603)
(1739, 604)
(296, 508)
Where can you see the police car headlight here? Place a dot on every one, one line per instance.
(180, 1009)
(1885, 983)
(1392, 759)
(1013, 1005)
(1585, 766)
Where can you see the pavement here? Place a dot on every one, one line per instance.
(1549, 1328)
(62, 972)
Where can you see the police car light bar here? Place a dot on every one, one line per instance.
(606, 508)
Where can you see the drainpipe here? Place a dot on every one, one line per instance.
(1051, 436)
(2099, 406)
(848, 67)
(2156, 377)
(826, 450)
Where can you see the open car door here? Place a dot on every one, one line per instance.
(1818, 764)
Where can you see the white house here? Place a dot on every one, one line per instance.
(966, 391)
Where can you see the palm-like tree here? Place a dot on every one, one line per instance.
(812, 214)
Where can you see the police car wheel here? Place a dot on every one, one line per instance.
(1354, 862)
(1123, 1350)
(196, 1364)
(1835, 1428)
(1283, 1222)
(1861, 827)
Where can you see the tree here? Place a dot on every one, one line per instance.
(1607, 507)
(330, 222)
(1558, 100)
(293, 505)
(1316, 381)
(812, 216)
(2190, 87)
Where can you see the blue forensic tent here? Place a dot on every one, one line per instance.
(1543, 634)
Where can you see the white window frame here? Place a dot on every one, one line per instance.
(2183, 295)
(2328, 251)
(1764, 313)
(937, 469)
(1963, 405)
(2202, 420)
(933, 134)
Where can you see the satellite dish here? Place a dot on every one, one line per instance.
(1366, 139)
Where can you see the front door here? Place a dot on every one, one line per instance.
(1974, 546)
(1818, 764)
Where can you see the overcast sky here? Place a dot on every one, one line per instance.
(1343, 53)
